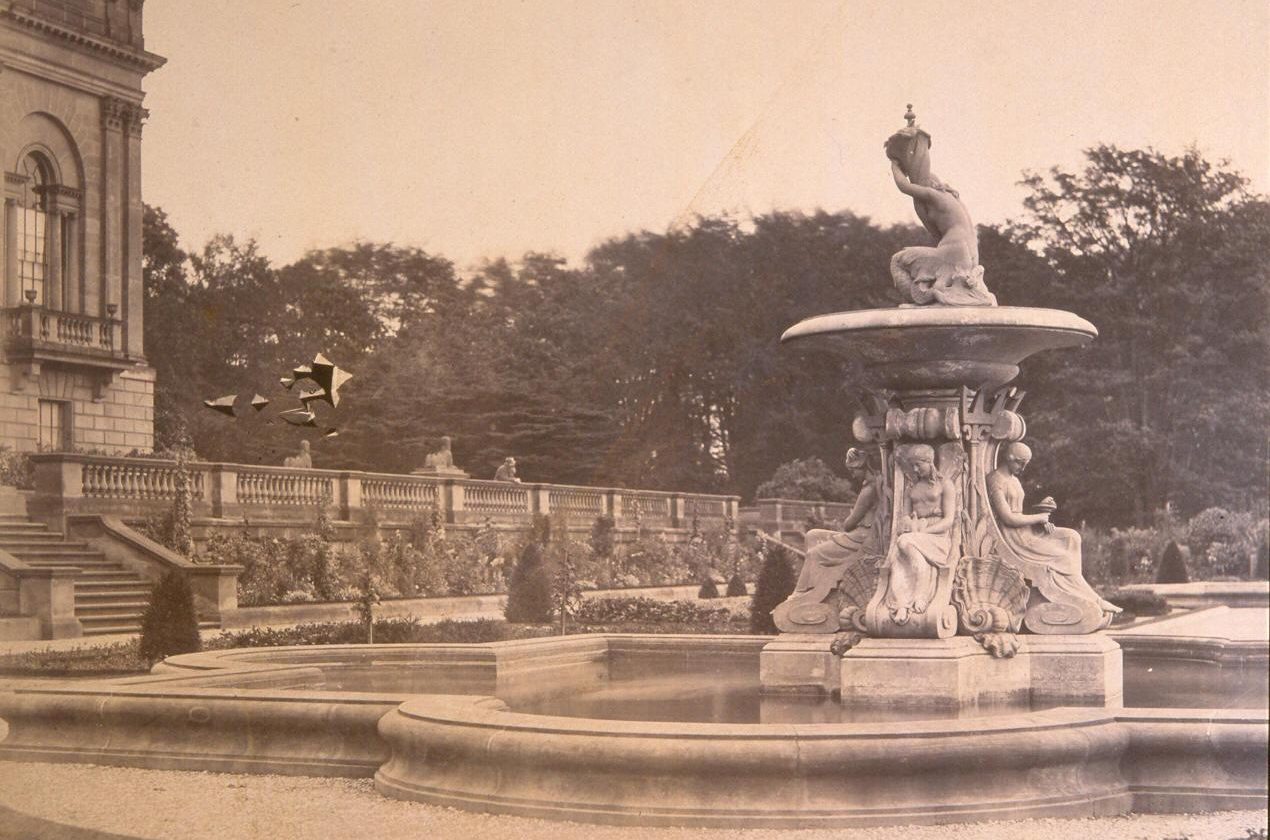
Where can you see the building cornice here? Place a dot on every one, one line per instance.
(68, 77)
(141, 59)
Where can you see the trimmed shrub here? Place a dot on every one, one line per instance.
(709, 589)
(1139, 603)
(529, 591)
(387, 631)
(1172, 566)
(736, 587)
(603, 537)
(169, 624)
(595, 611)
(775, 583)
(806, 478)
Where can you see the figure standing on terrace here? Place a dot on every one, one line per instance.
(507, 471)
(948, 273)
(925, 540)
(1051, 556)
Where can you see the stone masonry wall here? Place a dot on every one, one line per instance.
(120, 422)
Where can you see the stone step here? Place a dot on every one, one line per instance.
(119, 609)
(83, 568)
(34, 539)
(45, 547)
(102, 575)
(21, 526)
(110, 627)
(95, 628)
(93, 597)
(71, 562)
(56, 550)
(111, 609)
(137, 586)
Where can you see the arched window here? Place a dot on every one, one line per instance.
(32, 223)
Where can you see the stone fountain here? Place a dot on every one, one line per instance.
(940, 568)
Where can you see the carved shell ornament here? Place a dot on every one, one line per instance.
(990, 595)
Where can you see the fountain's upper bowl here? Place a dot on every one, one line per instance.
(942, 347)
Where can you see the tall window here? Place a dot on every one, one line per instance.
(33, 221)
(55, 426)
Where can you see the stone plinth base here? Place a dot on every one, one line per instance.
(799, 663)
(957, 673)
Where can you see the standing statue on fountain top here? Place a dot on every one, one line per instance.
(924, 544)
(949, 273)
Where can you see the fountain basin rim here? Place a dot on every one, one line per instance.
(487, 712)
(864, 320)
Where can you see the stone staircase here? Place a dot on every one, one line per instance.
(108, 597)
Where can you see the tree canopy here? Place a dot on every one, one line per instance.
(656, 363)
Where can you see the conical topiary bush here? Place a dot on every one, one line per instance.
(775, 583)
(529, 590)
(1172, 566)
(169, 624)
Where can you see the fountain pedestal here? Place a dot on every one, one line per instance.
(946, 676)
(955, 569)
(951, 675)
(800, 663)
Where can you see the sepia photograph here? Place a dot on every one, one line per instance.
(615, 419)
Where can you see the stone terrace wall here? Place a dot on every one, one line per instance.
(284, 500)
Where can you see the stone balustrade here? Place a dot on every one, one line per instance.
(57, 329)
(788, 518)
(72, 483)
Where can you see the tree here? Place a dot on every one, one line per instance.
(775, 582)
(1169, 404)
(806, 478)
(168, 624)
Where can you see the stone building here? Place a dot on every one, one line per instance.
(73, 374)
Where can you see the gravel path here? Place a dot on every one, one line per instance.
(163, 804)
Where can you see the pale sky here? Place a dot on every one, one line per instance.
(486, 128)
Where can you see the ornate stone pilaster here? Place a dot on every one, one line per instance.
(114, 111)
(136, 117)
(10, 294)
(114, 115)
(132, 284)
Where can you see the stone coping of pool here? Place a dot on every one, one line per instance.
(1222, 634)
(1232, 593)
(233, 711)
